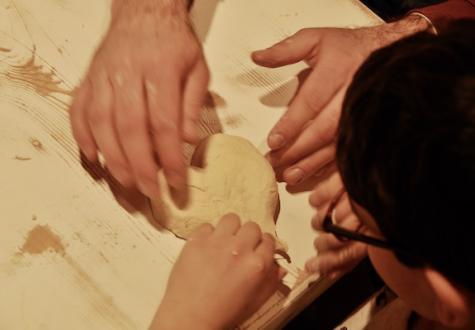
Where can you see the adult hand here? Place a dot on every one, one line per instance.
(302, 142)
(222, 276)
(142, 94)
(334, 256)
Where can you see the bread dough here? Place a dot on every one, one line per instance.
(234, 178)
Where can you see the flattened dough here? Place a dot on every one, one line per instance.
(234, 177)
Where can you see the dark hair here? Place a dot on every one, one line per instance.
(406, 146)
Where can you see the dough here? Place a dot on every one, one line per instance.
(233, 177)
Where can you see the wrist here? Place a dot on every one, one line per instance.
(409, 25)
(174, 8)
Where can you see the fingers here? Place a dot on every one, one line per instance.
(325, 242)
(328, 241)
(131, 124)
(325, 191)
(202, 232)
(266, 247)
(343, 210)
(194, 96)
(344, 217)
(310, 165)
(248, 237)
(316, 93)
(79, 123)
(293, 49)
(164, 104)
(228, 225)
(101, 121)
(337, 260)
(319, 133)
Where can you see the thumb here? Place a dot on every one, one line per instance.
(300, 46)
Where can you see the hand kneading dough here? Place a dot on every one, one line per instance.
(235, 178)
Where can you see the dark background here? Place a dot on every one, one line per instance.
(392, 9)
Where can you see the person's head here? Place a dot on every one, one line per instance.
(406, 155)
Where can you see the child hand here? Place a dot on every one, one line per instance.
(222, 276)
(335, 256)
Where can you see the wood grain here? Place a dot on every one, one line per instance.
(78, 251)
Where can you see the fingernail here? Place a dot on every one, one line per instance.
(294, 175)
(276, 141)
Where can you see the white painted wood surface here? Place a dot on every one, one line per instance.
(76, 252)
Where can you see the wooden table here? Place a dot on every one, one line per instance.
(76, 250)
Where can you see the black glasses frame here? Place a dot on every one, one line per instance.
(344, 234)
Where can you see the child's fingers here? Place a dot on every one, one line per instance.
(228, 225)
(266, 248)
(248, 237)
(203, 231)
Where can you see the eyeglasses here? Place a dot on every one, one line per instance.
(409, 258)
(345, 234)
